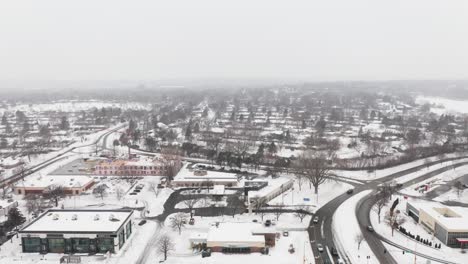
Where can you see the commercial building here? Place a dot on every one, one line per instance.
(236, 237)
(189, 177)
(78, 231)
(448, 224)
(142, 167)
(271, 189)
(73, 185)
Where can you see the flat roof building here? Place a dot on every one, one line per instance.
(449, 224)
(77, 231)
(73, 185)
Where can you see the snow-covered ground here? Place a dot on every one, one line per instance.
(346, 227)
(419, 189)
(377, 174)
(305, 196)
(279, 254)
(383, 228)
(450, 105)
(452, 195)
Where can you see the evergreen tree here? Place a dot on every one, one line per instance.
(15, 217)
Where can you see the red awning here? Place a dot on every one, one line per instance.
(462, 240)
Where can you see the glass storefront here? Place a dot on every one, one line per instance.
(56, 245)
(129, 229)
(105, 244)
(31, 244)
(80, 245)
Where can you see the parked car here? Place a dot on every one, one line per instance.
(285, 233)
(370, 228)
(133, 193)
(320, 248)
(206, 253)
(350, 191)
(142, 222)
(268, 222)
(316, 220)
(334, 252)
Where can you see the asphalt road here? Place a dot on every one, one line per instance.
(375, 240)
(322, 231)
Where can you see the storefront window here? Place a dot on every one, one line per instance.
(56, 245)
(129, 228)
(31, 244)
(105, 245)
(80, 245)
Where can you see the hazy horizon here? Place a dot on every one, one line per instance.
(213, 40)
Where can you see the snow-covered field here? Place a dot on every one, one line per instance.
(450, 105)
(305, 196)
(346, 227)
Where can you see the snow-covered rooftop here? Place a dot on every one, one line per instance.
(235, 232)
(452, 218)
(85, 221)
(66, 181)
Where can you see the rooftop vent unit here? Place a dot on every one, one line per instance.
(111, 217)
(96, 217)
(74, 217)
(55, 217)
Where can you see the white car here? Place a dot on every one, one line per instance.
(340, 261)
(320, 248)
(316, 219)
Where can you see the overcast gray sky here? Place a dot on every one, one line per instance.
(310, 40)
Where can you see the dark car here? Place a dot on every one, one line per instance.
(350, 191)
(370, 228)
(142, 222)
(334, 252)
(268, 222)
(133, 193)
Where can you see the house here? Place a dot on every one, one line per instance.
(77, 231)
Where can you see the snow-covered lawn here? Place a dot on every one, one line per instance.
(346, 227)
(377, 174)
(453, 196)
(278, 255)
(383, 228)
(419, 189)
(305, 196)
(450, 106)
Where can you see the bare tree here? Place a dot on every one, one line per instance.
(380, 204)
(154, 188)
(119, 193)
(33, 203)
(178, 221)
(54, 193)
(191, 201)
(165, 245)
(314, 168)
(359, 238)
(278, 210)
(302, 212)
(395, 220)
(236, 204)
(459, 188)
(100, 191)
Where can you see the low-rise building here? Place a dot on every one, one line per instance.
(236, 237)
(73, 185)
(448, 224)
(142, 167)
(188, 177)
(77, 231)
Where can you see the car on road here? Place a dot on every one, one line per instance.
(285, 233)
(320, 248)
(268, 222)
(316, 219)
(340, 261)
(334, 252)
(350, 191)
(133, 193)
(142, 222)
(370, 228)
